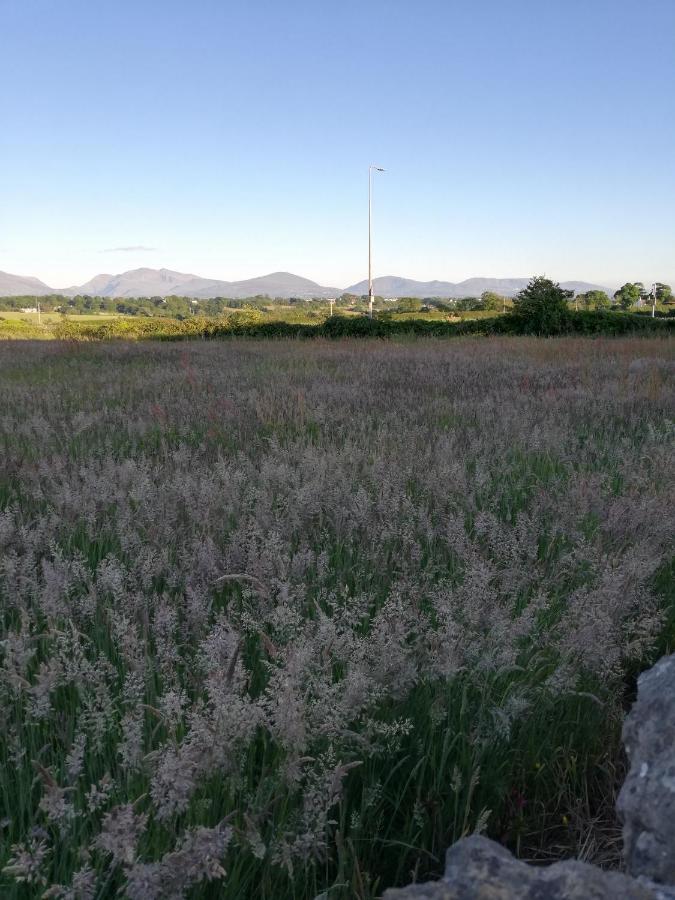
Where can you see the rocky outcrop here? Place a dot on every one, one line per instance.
(647, 800)
(480, 869)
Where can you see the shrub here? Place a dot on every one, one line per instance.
(355, 326)
(541, 308)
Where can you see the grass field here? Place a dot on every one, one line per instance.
(17, 315)
(284, 619)
(50, 318)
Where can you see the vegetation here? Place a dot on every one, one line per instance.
(531, 315)
(593, 300)
(290, 617)
(177, 307)
(496, 302)
(634, 293)
(664, 293)
(629, 294)
(541, 307)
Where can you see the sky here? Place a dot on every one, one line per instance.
(232, 139)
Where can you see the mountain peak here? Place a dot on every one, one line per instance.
(145, 282)
(18, 285)
(396, 286)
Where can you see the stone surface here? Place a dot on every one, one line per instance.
(480, 869)
(647, 800)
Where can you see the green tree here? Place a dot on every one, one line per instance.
(542, 307)
(629, 294)
(594, 300)
(468, 304)
(491, 300)
(409, 304)
(664, 292)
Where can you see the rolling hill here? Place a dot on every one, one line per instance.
(20, 285)
(164, 282)
(394, 286)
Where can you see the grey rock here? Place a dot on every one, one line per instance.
(480, 869)
(646, 803)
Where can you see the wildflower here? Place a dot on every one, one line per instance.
(27, 862)
(120, 831)
(198, 858)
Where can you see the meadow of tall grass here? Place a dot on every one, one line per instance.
(284, 619)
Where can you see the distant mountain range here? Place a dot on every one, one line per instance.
(393, 286)
(163, 282)
(18, 285)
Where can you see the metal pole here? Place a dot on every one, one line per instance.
(370, 244)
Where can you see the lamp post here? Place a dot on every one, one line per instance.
(371, 169)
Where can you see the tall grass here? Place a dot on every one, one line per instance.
(281, 619)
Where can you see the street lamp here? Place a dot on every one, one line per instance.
(371, 169)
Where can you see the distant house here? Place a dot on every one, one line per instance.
(29, 309)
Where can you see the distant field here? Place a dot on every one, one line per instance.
(437, 315)
(298, 614)
(54, 317)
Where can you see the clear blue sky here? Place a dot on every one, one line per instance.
(520, 137)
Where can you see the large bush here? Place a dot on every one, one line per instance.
(541, 307)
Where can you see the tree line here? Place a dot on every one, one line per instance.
(631, 295)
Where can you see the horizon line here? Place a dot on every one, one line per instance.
(71, 286)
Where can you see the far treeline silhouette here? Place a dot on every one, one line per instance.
(542, 308)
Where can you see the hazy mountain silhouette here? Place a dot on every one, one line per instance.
(163, 282)
(17, 285)
(394, 286)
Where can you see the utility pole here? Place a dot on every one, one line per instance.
(370, 243)
(654, 300)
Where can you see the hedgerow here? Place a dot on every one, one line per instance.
(252, 324)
